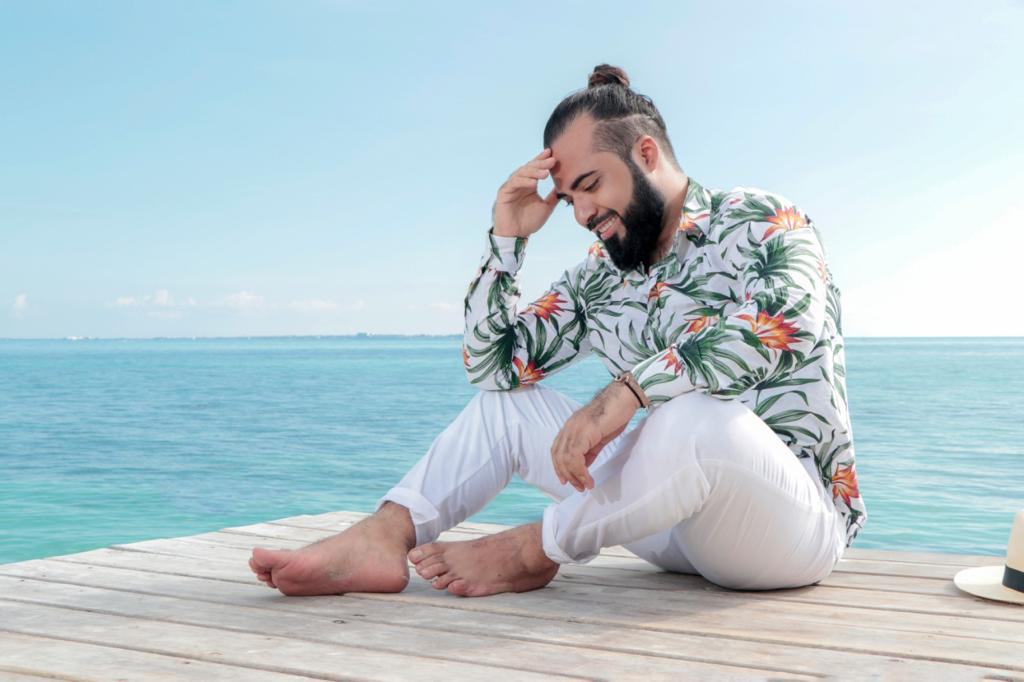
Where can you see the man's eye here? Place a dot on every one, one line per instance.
(592, 186)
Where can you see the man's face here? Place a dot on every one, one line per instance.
(610, 197)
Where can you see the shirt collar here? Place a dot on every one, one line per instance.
(693, 226)
(696, 218)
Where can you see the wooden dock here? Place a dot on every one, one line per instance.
(189, 609)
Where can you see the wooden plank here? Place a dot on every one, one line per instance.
(993, 643)
(894, 565)
(250, 651)
(937, 583)
(475, 647)
(939, 639)
(647, 577)
(840, 578)
(44, 657)
(962, 560)
(456, 621)
(341, 519)
(599, 576)
(905, 590)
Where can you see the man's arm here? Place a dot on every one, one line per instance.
(504, 348)
(588, 430)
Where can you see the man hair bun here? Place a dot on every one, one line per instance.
(606, 74)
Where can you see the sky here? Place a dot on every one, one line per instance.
(327, 167)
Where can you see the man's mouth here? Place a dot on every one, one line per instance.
(605, 228)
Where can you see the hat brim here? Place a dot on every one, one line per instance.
(987, 582)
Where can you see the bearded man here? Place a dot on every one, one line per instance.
(713, 310)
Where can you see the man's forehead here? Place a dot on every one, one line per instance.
(571, 169)
(572, 150)
(568, 170)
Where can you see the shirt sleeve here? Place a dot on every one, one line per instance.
(770, 326)
(504, 348)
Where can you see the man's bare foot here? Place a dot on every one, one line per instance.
(510, 561)
(367, 557)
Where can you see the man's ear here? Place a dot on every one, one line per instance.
(646, 153)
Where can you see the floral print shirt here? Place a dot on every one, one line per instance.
(742, 307)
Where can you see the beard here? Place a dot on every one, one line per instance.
(642, 222)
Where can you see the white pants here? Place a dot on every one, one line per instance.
(700, 485)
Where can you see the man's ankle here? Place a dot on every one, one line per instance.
(398, 517)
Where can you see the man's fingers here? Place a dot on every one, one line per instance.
(564, 474)
(562, 471)
(578, 471)
(556, 462)
(570, 469)
(527, 172)
(517, 182)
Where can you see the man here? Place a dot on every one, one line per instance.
(712, 309)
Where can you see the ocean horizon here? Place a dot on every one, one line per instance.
(116, 440)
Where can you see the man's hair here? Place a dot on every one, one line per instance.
(622, 115)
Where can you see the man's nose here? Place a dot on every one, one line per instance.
(585, 212)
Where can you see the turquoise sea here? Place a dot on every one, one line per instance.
(112, 441)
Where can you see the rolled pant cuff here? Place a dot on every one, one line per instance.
(547, 531)
(424, 514)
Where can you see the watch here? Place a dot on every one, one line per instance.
(628, 380)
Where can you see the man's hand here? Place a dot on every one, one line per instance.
(587, 431)
(519, 211)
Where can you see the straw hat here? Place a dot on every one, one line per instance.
(1003, 583)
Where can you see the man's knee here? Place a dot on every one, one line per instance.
(533, 403)
(692, 417)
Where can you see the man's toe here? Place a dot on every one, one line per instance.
(424, 551)
(431, 570)
(459, 587)
(444, 580)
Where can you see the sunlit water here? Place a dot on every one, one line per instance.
(105, 442)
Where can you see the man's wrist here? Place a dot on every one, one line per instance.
(499, 232)
(624, 396)
(632, 387)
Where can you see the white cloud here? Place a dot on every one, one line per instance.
(161, 299)
(244, 300)
(318, 305)
(20, 304)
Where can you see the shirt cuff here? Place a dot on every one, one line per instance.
(662, 376)
(505, 253)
